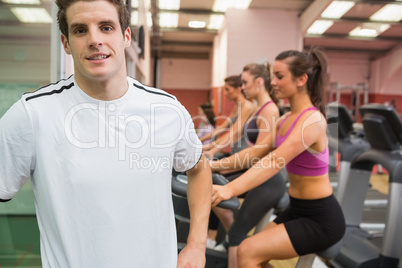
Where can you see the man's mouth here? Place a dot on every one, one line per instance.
(98, 57)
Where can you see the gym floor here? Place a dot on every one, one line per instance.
(21, 246)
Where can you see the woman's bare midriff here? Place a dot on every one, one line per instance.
(305, 187)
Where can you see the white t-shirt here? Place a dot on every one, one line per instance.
(101, 172)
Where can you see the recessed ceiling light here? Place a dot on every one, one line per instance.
(242, 4)
(169, 4)
(215, 22)
(388, 13)
(337, 9)
(196, 24)
(32, 15)
(22, 2)
(134, 3)
(369, 29)
(319, 26)
(168, 19)
(223, 5)
(134, 18)
(149, 19)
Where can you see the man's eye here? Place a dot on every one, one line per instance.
(79, 31)
(107, 28)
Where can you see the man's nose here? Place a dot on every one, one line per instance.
(94, 39)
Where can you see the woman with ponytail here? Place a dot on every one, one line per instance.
(230, 131)
(256, 85)
(314, 219)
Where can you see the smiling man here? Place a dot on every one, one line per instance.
(76, 139)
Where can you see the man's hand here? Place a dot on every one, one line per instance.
(192, 256)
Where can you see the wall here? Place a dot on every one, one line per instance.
(348, 68)
(191, 99)
(219, 58)
(387, 72)
(24, 61)
(251, 36)
(254, 36)
(188, 79)
(177, 73)
(387, 79)
(383, 75)
(143, 65)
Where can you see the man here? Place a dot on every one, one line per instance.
(100, 147)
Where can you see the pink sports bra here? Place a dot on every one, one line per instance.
(306, 163)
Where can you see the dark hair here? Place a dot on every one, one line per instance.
(209, 113)
(233, 80)
(122, 11)
(263, 71)
(314, 64)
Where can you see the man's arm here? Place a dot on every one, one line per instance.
(16, 150)
(199, 194)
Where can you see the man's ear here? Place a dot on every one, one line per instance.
(66, 46)
(302, 80)
(127, 36)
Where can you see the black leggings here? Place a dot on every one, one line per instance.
(256, 204)
(313, 225)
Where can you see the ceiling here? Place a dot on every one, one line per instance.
(197, 43)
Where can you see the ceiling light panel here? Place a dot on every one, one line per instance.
(196, 24)
(134, 18)
(242, 4)
(134, 3)
(32, 15)
(215, 22)
(149, 19)
(319, 26)
(388, 13)
(369, 29)
(22, 2)
(168, 19)
(169, 4)
(337, 9)
(223, 5)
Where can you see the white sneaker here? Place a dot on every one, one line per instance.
(223, 247)
(211, 243)
(220, 248)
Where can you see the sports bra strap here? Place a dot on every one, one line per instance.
(259, 111)
(297, 118)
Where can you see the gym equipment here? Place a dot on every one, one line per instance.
(307, 261)
(215, 259)
(355, 91)
(347, 140)
(383, 130)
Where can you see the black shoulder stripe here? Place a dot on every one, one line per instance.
(154, 92)
(56, 91)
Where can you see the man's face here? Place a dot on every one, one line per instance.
(95, 40)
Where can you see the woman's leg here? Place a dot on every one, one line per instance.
(225, 216)
(232, 257)
(213, 225)
(256, 204)
(271, 243)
